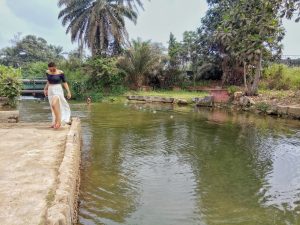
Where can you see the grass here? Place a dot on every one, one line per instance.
(174, 94)
(281, 77)
(278, 94)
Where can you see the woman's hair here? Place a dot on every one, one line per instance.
(51, 64)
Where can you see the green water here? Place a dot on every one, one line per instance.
(156, 165)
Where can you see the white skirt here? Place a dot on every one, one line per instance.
(57, 90)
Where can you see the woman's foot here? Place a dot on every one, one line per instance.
(57, 125)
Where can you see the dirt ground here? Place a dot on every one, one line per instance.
(30, 155)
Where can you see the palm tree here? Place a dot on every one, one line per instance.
(133, 4)
(100, 24)
(140, 60)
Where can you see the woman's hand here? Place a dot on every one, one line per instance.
(46, 92)
(69, 95)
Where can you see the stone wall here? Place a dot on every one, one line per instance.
(64, 209)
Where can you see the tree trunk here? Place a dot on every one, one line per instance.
(139, 81)
(254, 87)
(225, 70)
(245, 77)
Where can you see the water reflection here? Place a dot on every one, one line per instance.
(147, 164)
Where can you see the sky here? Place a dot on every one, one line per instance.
(160, 17)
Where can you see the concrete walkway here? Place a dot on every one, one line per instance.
(31, 156)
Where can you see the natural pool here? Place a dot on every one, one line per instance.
(159, 165)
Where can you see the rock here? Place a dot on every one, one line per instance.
(182, 102)
(207, 101)
(168, 100)
(148, 98)
(246, 101)
(294, 111)
(137, 98)
(282, 110)
(252, 102)
(195, 100)
(271, 112)
(9, 116)
(237, 95)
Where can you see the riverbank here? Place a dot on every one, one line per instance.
(39, 170)
(279, 103)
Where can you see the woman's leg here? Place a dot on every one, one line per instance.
(56, 110)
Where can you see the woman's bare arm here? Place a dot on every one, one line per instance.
(66, 86)
(46, 89)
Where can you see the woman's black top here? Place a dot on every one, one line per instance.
(56, 79)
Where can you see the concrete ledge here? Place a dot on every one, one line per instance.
(9, 116)
(64, 208)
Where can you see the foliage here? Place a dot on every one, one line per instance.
(262, 106)
(34, 70)
(281, 77)
(10, 84)
(250, 30)
(174, 51)
(77, 80)
(28, 50)
(103, 72)
(132, 4)
(100, 24)
(143, 60)
(232, 89)
(288, 8)
(238, 36)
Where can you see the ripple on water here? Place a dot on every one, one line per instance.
(198, 167)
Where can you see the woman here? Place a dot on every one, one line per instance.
(59, 106)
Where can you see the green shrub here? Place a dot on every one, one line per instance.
(262, 106)
(103, 73)
(94, 78)
(281, 77)
(34, 70)
(232, 89)
(10, 84)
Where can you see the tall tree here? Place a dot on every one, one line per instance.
(140, 60)
(230, 27)
(251, 31)
(174, 50)
(29, 49)
(100, 24)
(133, 4)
